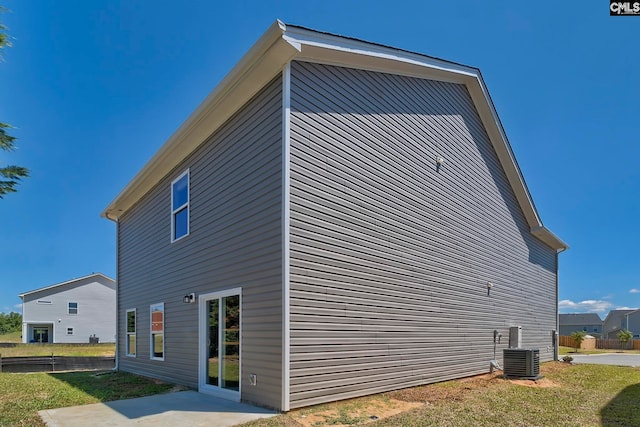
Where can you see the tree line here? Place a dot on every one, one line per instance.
(11, 322)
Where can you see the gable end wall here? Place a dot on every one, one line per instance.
(390, 255)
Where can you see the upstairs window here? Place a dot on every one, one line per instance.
(73, 308)
(180, 207)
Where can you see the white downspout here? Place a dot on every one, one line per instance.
(115, 368)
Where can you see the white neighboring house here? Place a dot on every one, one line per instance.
(71, 311)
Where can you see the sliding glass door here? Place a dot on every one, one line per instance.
(220, 331)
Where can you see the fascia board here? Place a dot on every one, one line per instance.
(497, 136)
(257, 67)
(545, 235)
(491, 122)
(335, 50)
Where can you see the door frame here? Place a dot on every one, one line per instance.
(203, 359)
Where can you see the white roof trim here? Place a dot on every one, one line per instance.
(281, 44)
(66, 283)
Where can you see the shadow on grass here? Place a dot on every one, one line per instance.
(109, 385)
(622, 410)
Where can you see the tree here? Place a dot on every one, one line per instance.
(578, 337)
(10, 175)
(624, 337)
(11, 322)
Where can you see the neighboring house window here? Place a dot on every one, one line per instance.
(69, 331)
(41, 301)
(180, 206)
(157, 331)
(131, 332)
(73, 308)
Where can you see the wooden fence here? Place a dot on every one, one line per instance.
(600, 344)
(55, 363)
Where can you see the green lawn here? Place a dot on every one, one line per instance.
(21, 350)
(13, 337)
(569, 395)
(22, 395)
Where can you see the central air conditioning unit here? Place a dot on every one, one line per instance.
(522, 363)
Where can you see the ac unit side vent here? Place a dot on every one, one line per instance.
(522, 363)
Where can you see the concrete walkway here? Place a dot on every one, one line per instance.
(183, 408)
(618, 359)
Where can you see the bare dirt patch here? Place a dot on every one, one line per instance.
(368, 409)
(355, 411)
(446, 391)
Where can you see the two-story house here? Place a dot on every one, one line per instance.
(338, 218)
(71, 311)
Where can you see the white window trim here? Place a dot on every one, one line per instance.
(151, 333)
(134, 333)
(186, 205)
(69, 308)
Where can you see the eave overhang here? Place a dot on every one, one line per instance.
(281, 44)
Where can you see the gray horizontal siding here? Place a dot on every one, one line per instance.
(235, 241)
(390, 257)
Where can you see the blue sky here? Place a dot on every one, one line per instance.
(94, 88)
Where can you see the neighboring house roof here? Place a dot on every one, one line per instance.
(66, 283)
(613, 321)
(282, 43)
(579, 319)
(632, 313)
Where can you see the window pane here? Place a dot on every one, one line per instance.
(131, 321)
(212, 366)
(73, 308)
(157, 319)
(158, 345)
(180, 192)
(230, 349)
(131, 344)
(181, 223)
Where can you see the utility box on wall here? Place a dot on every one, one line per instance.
(515, 337)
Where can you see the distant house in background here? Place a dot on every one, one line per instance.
(614, 322)
(71, 312)
(590, 323)
(631, 322)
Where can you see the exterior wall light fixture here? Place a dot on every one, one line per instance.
(189, 298)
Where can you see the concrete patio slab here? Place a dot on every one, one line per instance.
(183, 408)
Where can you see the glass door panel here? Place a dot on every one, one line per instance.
(230, 349)
(41, 335)
(212, 338)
